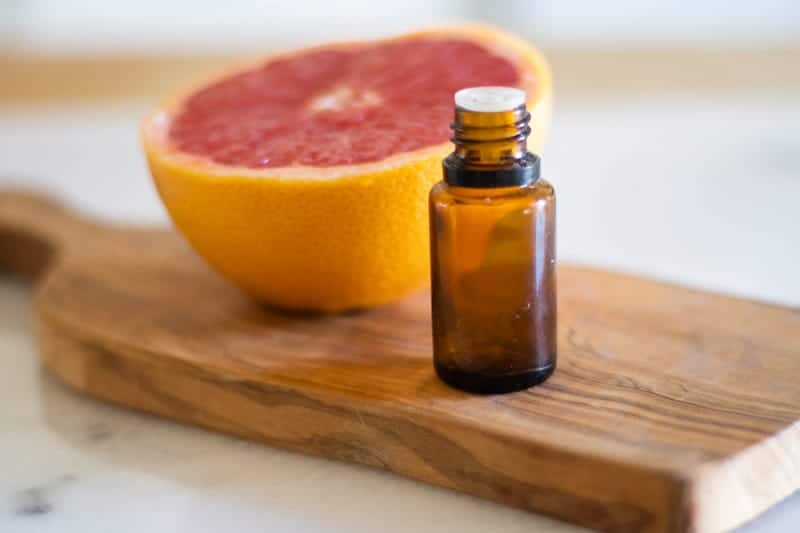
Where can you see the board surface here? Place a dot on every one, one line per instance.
(671, 410)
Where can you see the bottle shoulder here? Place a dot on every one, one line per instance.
(541, 189)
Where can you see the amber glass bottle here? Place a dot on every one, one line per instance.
(493, 251)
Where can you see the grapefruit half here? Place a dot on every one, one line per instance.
(304, 179)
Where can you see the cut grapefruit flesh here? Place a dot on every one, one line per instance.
(341, 106)
(304, 179)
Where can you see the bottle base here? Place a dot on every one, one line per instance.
(483, 384)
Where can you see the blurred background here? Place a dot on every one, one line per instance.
(675, 142)
(674, 149)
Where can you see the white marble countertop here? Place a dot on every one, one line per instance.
(696, 191)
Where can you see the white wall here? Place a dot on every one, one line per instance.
(107, 26)
(654, 23)
(102, 26)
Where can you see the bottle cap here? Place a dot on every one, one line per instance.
(490, 99)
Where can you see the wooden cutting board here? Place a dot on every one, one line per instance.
(671, 410)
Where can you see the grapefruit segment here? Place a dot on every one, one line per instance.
(304, 179)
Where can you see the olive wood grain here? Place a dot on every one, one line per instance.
(671, 410)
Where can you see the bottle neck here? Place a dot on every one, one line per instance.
(491, 140)
(491, 150)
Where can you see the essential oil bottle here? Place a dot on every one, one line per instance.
(493, 250)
